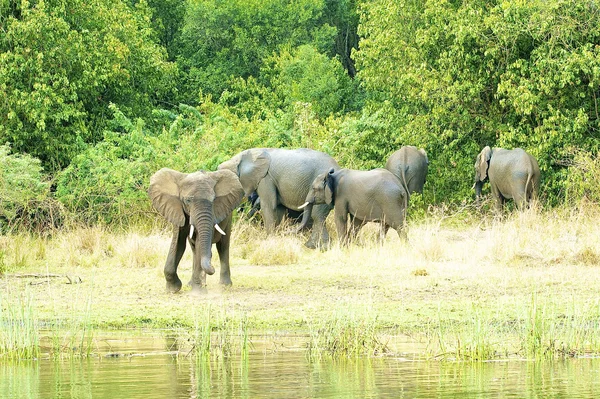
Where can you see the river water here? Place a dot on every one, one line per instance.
(143, 367)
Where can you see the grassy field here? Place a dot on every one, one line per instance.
(464, 286)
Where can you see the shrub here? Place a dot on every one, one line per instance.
(25, 201)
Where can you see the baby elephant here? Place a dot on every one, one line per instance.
(512, 173)
(368, 196)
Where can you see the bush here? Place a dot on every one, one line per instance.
(25, 202)
(582, 178)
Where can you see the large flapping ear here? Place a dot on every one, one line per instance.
(484, 158)
(329, 194)
(228, 193)
(253, 166)
(164, 193)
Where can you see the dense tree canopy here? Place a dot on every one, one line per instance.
(88, 87)
(63, 62)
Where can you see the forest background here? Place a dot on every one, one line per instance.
(95, 96)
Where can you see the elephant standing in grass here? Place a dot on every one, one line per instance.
(410, 165)
(282, 178)
(368, 196)
(512, 174)
(199, 205)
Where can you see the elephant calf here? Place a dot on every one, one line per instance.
(512, 174)
(368, 196)
(199, 203)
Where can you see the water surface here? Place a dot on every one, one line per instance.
(269, 373)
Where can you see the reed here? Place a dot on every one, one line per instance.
(217, 334)
(19, 331)
(345, 334)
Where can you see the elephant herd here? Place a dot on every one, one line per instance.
(309, 183)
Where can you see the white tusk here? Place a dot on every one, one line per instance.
(219, 229)
(191, 230)
(304, 205)
(474, 184)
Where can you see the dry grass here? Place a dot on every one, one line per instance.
(449, 275)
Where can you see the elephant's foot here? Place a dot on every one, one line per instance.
(226, 281)
(198, 290)
(322, 245)
(174, 286)
(310, 244)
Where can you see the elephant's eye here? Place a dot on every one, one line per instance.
(188, 200)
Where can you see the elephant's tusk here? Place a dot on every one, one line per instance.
(304, 205)
(191, 230)
(219, 229)
(474, 184)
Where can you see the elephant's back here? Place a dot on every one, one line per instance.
(408, 157)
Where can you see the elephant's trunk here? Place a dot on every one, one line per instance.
(478, 186)
(203, 222)
(306, 215)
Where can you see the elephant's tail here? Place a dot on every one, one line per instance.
(530, 187)
(403, 170)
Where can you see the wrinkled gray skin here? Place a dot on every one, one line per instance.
(294, 216)
(512, 174)
(367, 196)
(410, 165)
(201, 200)
(282, 178)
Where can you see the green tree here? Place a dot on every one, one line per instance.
(62, 63)
(457, 75)
(224, 39)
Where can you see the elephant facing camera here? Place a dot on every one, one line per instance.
(199, 206)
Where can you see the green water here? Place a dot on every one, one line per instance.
(280, 373)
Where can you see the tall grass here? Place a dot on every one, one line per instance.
(217, 334)
(345, 334)
(19, 328)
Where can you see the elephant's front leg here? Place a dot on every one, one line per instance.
(341, 225)
(223, 250)
(176, 251)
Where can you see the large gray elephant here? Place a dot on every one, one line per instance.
(282, 178)
(512, 174)
(410, 165)
(200, 203)
(368, 196)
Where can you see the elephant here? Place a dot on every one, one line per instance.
(254, 201)
(512, 174)
(368, 196)
(199, 205)
(282, 178)
(410, 165)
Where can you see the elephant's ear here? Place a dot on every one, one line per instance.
(329, 180)
(164, 193)
(228, 193)
(422, 151)
(253, 166)
(484, 158)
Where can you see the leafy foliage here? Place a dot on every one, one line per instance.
(461, 75)
(25, 193)
(62, 64)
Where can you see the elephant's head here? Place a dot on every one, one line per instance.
(322, 190)
(251, 166)
(200, 199)
(482, 163)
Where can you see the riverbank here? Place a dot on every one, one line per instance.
(525, 285)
